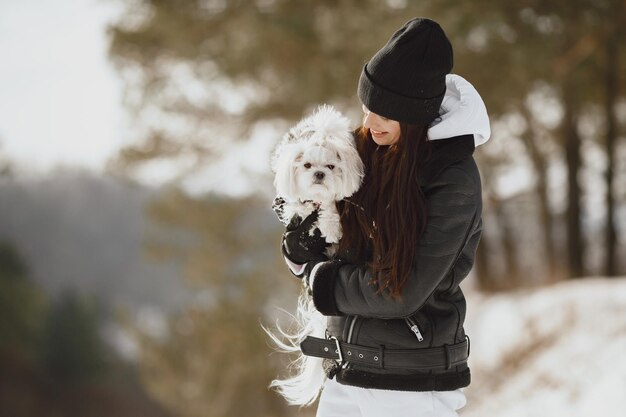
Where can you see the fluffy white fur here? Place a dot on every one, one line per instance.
(315, 165)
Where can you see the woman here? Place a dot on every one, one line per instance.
(396, 344)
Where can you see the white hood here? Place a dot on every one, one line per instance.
(462, 112)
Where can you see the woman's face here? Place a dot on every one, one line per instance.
(384, 131)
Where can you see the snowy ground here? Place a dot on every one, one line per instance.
(553, 351)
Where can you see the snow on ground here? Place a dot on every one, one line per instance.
(552, 351)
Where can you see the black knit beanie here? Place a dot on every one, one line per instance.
(406, 79)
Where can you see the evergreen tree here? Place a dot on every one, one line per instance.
(72, 350)
(22, 306)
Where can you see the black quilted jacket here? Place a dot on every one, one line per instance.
(432, 298)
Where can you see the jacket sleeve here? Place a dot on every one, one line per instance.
(454, 204)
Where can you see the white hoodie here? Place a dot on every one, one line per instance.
(462, 112)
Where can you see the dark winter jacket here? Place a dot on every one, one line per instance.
(432, 311)
(432, 299)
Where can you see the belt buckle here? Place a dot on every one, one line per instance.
(340, 361)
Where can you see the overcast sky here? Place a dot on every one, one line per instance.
(60, 99)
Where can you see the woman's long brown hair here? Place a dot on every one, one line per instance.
(383, 221)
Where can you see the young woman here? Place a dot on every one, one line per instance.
(396, 345)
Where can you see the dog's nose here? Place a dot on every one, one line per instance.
(319, 175)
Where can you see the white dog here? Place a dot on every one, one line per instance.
(315, 165)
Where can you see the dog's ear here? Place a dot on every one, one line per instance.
(286, 168)
(353, 170)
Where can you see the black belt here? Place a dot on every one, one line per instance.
(443, 357)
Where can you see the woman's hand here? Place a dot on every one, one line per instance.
(299, 245)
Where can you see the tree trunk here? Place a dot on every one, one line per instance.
(575, 244)
(541, 170)
(611, 86)
(512, 276)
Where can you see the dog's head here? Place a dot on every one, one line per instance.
(317, 159)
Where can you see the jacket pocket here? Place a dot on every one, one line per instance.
(415, 328)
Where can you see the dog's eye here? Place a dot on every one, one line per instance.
(330, 167)
(307, 165)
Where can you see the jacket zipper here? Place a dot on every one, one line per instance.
(414, 328)
(349, 338)
(351, 329)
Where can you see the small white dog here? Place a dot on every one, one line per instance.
(316, 164)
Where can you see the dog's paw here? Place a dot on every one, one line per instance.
(332, 235)
(331, 250)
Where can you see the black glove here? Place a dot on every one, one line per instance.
(299, 246)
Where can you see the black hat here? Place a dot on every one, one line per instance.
(406, 79)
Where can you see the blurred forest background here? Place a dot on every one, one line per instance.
(119, 297)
